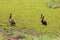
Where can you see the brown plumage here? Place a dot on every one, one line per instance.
(12, 23)
(43, 20)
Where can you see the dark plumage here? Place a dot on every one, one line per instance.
(12, 22)
(42, 20)
(44, 23)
